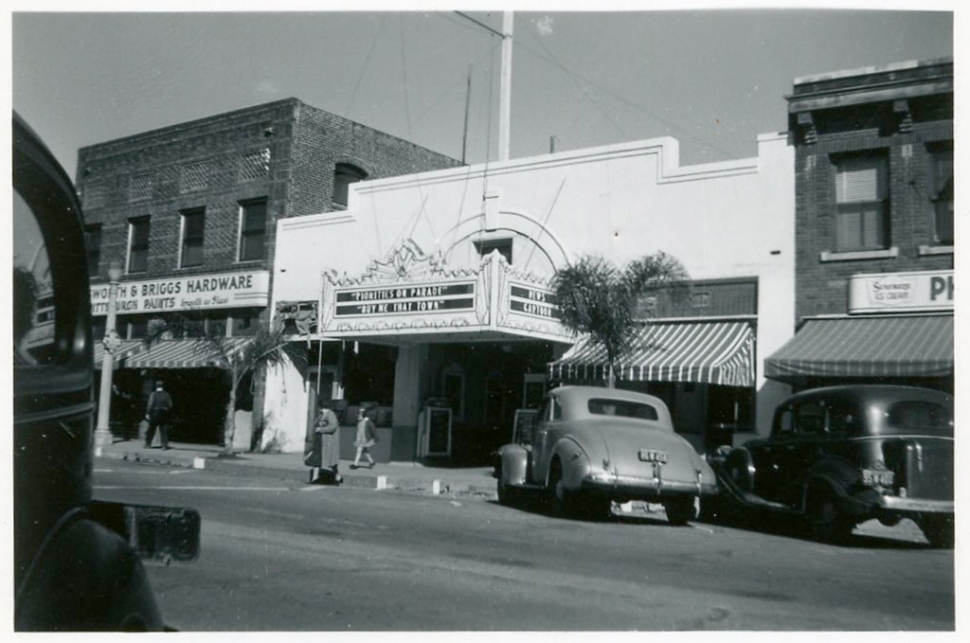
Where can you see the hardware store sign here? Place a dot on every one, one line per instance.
(196, 292)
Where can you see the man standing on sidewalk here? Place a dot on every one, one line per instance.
(158, 414)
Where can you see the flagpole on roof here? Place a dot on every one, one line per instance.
(505, 96)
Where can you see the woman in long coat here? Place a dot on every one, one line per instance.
(325, 428)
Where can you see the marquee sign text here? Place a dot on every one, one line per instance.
(406, 299)
(533, 301)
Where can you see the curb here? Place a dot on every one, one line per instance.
(395, 483)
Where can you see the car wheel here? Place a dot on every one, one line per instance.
(939, 530)
(680, 510)
(506, 493)
(562, 501)
(827, 523)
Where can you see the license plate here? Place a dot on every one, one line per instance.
(652, 455)
(877, 478)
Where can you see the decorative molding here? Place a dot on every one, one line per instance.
(904, 116)
(806, 125)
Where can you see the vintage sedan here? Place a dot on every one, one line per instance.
(589, 447)
(842, 455)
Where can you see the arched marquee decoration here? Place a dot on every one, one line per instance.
(410, 293)
(524, 225)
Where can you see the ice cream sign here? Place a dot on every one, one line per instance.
(196, 292)
(901, 292)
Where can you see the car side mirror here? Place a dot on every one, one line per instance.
(170, 534)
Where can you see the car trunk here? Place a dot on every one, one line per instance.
(644, 448)
(923, 466)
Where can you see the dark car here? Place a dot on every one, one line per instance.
(592, 446)
(842, 455)
(77, 564)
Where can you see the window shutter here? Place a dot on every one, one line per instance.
(860, 180)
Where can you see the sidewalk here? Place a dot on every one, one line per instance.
(403, 476)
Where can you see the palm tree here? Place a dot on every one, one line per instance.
(600, 300)
(266, 348)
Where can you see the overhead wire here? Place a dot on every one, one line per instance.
(360, 75)
(551, 59)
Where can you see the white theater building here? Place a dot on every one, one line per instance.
(429, 295)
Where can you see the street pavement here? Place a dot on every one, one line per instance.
(408, 477)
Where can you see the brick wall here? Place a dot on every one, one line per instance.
(822, 286)
(283, 151)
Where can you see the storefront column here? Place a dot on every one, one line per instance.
(407, 400)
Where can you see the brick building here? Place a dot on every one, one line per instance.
(189, 211)
(874, 227)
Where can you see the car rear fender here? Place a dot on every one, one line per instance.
(514, 459)
(573, 461)
(830, 475)
(736, 470)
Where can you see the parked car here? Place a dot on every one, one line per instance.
(77, 564)
(589, 447)
(842, 455)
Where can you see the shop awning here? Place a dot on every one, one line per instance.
(182, 353)
(702, 352)
(126, 349)
(913, 346)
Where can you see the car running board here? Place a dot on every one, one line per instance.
(752, 500)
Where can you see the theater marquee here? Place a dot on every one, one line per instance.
(410, 294)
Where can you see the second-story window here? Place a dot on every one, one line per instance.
(252, 230)
(343, 176)
(138, 231)
(942, 195)
(862, 200)
(92, 242)
(193, 237)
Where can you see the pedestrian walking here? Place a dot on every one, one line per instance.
(324, 453)
(366, 437)
(158, 414)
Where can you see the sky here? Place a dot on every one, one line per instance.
(712, 78)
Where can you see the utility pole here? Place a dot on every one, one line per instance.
(505, 105)
(468, 98)
(505, 95)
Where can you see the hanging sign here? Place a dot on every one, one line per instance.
(195, 292)
(901, 291)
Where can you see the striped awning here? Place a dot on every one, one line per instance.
(911, 346)
(126, 349)
(182, 353)
(716, 352)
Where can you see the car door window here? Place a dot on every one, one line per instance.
(843, 420)
(785, 424)
(810, 419)
(555, 409)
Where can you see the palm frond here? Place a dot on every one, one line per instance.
(597, 299)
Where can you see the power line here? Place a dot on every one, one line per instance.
(370, 52)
